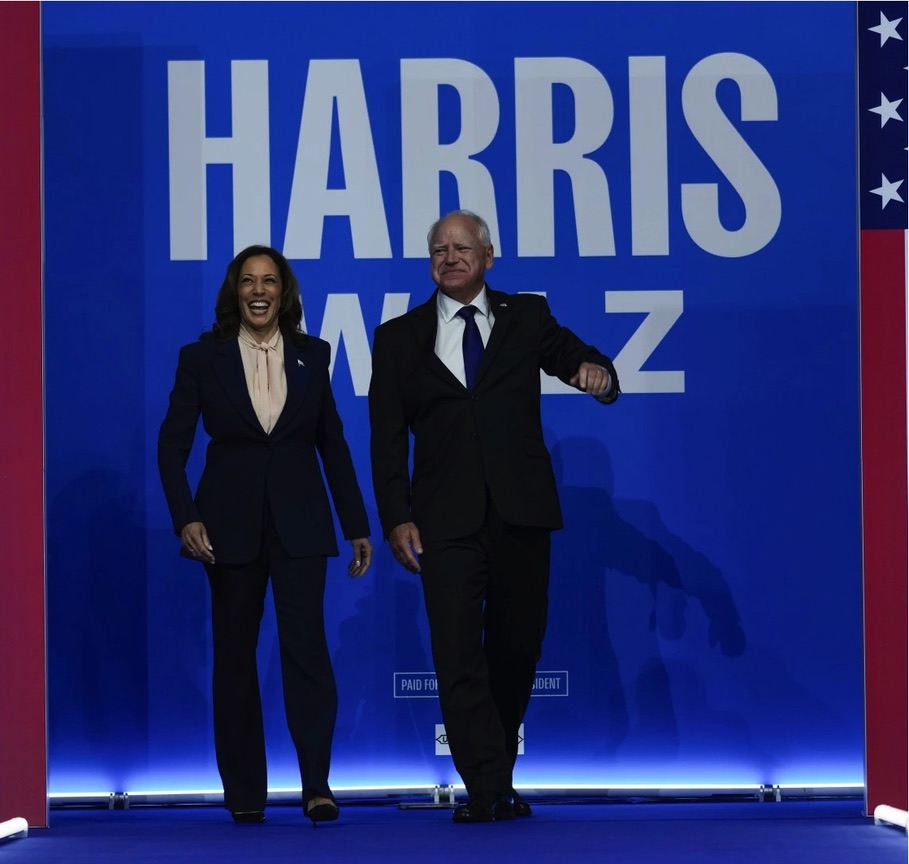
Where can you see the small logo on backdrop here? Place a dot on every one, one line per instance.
(550, 684)
(416, 685)
(424, 685)
(442, 748)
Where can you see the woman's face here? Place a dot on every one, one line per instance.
(259, 294)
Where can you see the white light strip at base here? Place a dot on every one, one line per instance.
(291, 795)
(13, 828)
(891, 815)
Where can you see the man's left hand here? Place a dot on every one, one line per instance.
(591, 379)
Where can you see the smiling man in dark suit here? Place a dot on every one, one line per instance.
(461, 372)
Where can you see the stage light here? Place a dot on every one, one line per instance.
(13, 828)
(891, 815)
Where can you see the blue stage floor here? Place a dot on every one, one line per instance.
(826, 832)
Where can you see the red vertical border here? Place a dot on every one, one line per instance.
(23, 688)
(884, 515)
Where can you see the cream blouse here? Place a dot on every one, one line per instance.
(263, 363)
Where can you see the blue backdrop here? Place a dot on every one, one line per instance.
(678, 178)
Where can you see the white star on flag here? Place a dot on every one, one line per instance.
(887, 110)
(887, 191)
(887, 29)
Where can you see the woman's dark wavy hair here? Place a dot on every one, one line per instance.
(227, 306)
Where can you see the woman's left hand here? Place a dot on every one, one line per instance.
(362, 556)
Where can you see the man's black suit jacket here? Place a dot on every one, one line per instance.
(468, 442)
(244, 466)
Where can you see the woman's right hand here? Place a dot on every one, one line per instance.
(196, 543)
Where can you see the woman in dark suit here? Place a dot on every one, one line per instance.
(262, 510)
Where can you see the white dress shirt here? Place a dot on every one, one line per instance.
(450, 329)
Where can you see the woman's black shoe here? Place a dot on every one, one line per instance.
(325, 812)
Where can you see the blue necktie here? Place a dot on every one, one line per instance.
(472, 345)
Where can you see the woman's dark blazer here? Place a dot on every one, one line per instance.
(245, 467)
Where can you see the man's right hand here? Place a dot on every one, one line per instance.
(405, 541)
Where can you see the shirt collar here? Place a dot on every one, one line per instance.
(449, 307)
(247, 338)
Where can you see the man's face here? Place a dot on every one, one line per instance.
(458, 261)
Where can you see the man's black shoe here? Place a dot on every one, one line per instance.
(248, 817)
(519, 805)
(476, 810)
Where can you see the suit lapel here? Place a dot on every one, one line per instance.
(298, 376)
(498, 305)
(228, 366)
(425, 319)
(425, 323)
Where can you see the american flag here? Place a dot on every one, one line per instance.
(882, 114)
(882, 77)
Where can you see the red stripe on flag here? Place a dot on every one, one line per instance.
(23, 725)
(884, 509)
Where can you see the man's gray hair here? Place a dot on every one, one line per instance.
(482, 227)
